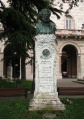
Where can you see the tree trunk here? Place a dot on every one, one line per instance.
(23, 70)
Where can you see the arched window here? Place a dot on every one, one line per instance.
(69, 22)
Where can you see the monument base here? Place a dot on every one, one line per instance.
(44, 100)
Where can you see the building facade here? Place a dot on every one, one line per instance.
(70, 46)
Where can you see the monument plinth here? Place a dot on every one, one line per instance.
(45, 94)
(45, 74)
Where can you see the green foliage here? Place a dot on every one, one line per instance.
(18, 30)
(19, 21)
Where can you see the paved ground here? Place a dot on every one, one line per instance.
(69, 83)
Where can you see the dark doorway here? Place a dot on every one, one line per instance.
(69, 62)
(64, 67)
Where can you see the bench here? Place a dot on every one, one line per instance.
(70, 91)
(13, 92)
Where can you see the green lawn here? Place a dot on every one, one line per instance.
(7, 84)
(18, 109)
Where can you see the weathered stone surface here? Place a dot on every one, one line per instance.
(9, 72)
(45, 74)
(43, 100)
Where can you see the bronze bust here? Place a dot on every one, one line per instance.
(45, 25)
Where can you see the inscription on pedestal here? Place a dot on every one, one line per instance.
(46, 77)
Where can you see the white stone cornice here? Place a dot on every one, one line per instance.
(70, 33)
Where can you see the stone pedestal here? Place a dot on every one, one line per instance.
(9, 72)
(45, 74)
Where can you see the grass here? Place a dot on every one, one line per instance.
(12, 108)
(18, 109)
(7, 84)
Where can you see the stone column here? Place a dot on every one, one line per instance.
(78, 67)
(60, 72)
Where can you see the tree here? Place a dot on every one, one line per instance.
(19, 21)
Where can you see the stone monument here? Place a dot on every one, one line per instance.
(45, 94)
(9, 71)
